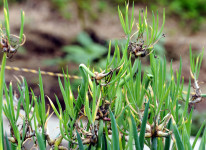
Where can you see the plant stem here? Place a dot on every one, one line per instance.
(154, 143)
(1, 97)
(203, 95)
(134, 69)
(82, 66)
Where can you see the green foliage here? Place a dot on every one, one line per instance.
(87, 50)
(143, 126)
(198, 119)
(62, 5)
(189, 10)
(115, 134)
(136, 138)
(81, 147)
(117, 108)
(196, 63)
(2, 78)
(190, 13)
(83, 7)
(1, 97)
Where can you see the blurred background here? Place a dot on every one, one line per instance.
(65, 33)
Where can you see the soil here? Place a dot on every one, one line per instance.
(47, 32)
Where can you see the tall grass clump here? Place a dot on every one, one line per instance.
(118, 106)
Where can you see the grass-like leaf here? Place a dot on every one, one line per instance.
(121, 18)
(163, 23)
(7, 142)
(67, 100)
(135, 134)
(198, 134)
(87, 109)
(130, 141)
(81, 147)
(203, 141)
(100, 135)
(168, 139)
(42, 97)
(187, 99)
(54, 108)
(22, 26)
(1, 96)
(40, 141)
(186, 138)
(154, 143)
(178, 139)
(143, 126)
(7, 23)
(115, 133)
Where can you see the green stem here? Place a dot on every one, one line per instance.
(1, 97)
(168, 139)
(83, 88)
(1, 133)
(134, 69)
(82, 66)
(154, 143)
(203, 95)
(58, 142)
(83, 70)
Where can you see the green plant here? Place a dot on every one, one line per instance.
(62, 5)
(190, 13)
(86, 50)
(193, 10)
(83, 7)
(2, 82)
(123, 107)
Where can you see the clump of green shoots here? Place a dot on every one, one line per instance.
(8, 49)
(117, 107)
